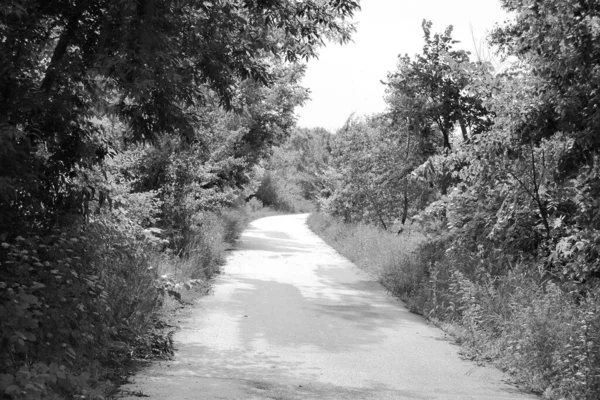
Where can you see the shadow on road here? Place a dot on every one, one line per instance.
(272, 241)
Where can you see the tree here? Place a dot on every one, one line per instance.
(150, 64)
(558, 39)
(305, 159)
(527, 185)
(215, 167)
(298, 173)
(373, 160)
(432, 89)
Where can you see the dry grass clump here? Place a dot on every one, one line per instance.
(379, 252)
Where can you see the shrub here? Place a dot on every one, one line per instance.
(234, 222)
(71, 302)
(274, 192)
(254, 204)
(76, 305)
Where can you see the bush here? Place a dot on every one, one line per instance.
(273, 192)
(72, 302)
(204, 253)
(235, 221)
(78, 304)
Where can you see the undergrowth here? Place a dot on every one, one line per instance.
(276, 192)
(545, 333)
(79, 306)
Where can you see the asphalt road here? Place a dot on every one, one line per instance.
(291, 319)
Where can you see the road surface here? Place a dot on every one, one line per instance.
(292, 319)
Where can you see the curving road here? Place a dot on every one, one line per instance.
(292, 319)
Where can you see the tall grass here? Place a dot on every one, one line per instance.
(188, 274)
(369, 247)
(546, 334)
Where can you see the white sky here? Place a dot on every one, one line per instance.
(346, 79)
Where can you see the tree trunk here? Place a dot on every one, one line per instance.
(61, 47)
(383, 224)
(446, 135)
(463, 129)
(405, 205)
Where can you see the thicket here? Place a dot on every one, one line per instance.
(131, 135)
(298, 172)
(498, 169)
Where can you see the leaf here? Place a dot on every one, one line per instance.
(12, 390)
(71, 353)
(84, 377)
(5, 381)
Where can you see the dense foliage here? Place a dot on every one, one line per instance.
(373, 160)
(131, 132)
(499, 169)
(432, 91)
(149, 64)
